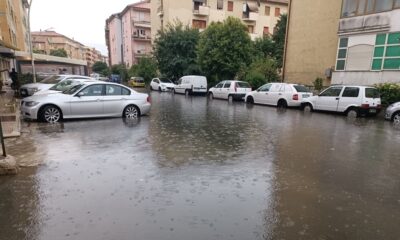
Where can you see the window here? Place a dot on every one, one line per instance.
(265, 88)
(199, 24)
(351, 92)
(372, 93)
(113, 90)
(387, 52)
(219, 85)
(277, 12)
(267, 10)
(243, 85)
(220, 4)
(230, 6)
(198, 3)
(266, 31)
(342, 54)
(361, 7)
(331, 92)
(227, 85)
(300, 88)
(250, 28)
(94, 90)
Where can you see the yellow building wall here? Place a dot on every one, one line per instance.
(312, 40)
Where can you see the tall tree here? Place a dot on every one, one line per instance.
(146, 68)
(223, 49)
(279, 39)
(101, 68)
(60, 52)
(175, 50)
(120, 70)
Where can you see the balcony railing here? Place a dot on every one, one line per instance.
(144, 24)
(202, 11)
(141, 37)
(250, 17)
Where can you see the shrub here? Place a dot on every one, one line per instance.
(318, 84)
(255, 79)
(390, 92)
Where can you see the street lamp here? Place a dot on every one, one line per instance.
(30, 40)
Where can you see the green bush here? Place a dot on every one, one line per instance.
(318, 84)
(255, 79)
(390, 92)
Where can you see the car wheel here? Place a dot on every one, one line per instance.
(250, 100)
(396, 117)
(51, 114)
(352, 113)
(230, 98)
(211, 96)
(173, 91)
(282, 104)
(308, 108)
(131, 112)
(151, 88)
(159, 89)
(187, 92)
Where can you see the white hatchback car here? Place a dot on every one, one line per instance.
(279, 94)
(161, 84)
(354, 101)
(229, 89)
(87, 100)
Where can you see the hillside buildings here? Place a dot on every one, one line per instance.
(344, 42)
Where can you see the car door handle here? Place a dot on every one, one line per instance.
(337, 98)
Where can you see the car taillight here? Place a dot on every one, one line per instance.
(364, 105)
(148, 99)
(295, 97)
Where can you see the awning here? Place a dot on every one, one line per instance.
(253, 6)
(200, 1)
(6, 52)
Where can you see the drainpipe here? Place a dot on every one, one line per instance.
(286, 40)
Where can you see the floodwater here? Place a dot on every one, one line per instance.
(205, 169)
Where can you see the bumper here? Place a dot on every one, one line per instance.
(145, 108)
(165, 89)
(239, 96)
(199, 90)
(29, 112)
(369, 111)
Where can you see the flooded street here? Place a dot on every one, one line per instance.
(205, 169)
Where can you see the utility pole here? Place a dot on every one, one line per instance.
(30, 41)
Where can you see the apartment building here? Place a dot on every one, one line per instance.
(128, 34)
(260, 16)
(343, 41)
(45, 41)
(13, 31)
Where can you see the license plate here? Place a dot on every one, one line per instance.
(306, 95)
(372, 110)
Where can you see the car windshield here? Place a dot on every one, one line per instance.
(165, 80)
(73, 89)
(64, 85)
(243, 85)
(300, 88)
(51, 80)
(372, 93)
(139, 80)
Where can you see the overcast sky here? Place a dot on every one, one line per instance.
(82, 20)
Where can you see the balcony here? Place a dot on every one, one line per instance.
(202, 11)
(141, 37)
(250, 17)
(143, 24)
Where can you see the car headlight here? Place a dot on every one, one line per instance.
(31, 104)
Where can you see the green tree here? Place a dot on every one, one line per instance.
(60, 52)
(175, 50)
(101, 68)
(146, 68)
(264, 47)
(224, 48)
(279, 39)
(261, 71)
(121, 70)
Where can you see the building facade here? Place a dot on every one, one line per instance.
(13, 32)
(343, 42)
(311, 41)
(128, 34)
(368, 50)
(260, 16)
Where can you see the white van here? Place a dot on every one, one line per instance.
(191, 85)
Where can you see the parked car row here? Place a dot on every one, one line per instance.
(83, 97)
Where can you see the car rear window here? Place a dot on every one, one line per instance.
(300, 88)
(351, 92)
(243, 85)
(372, 93)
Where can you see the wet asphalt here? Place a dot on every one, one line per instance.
(205, 169)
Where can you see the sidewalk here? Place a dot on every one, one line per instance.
(9, 113)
